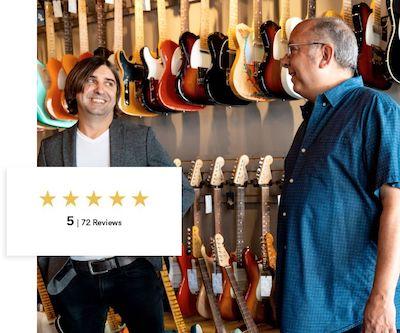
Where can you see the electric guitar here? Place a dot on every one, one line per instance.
(371, 58)
(249, 55)
(154, 68)
(222, 257)
(267, 266)
(68, 60)
(393, 50)
(55, 70)
(222, 50)
(131, 73)
(196, 60)
(172, 61)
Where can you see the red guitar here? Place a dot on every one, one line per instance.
(372, 49)
(172, 60)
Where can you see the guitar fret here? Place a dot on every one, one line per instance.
(233, 21)
(118, 25)
(162, 21)
(50, 34)
(67, 29)
(44, 296)
(217, 209)
(101, 22)
(240, 215)
(257, 20)
(377, 13)
(139, 30)
(184, 16)
(196, 208)
(347, 12)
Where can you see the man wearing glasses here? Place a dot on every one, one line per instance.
(339, 215)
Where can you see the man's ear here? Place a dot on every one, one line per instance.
(327, 55)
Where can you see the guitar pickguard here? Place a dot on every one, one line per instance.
(155, 66)
(199, 58)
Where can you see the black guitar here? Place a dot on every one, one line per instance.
(393, 50)
(222, 49)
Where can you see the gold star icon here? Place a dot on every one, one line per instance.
(70, 199)
(140, 199)
(93, 199)
(117, 199)
(47, 199)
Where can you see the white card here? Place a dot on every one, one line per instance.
(193, 284)
(208, 201)
(146, 5)
(57, 9)
(72, 6)
(217, 283)
(266, 285)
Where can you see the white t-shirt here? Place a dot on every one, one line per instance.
(92, 153)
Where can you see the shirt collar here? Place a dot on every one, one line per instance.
(335, 94)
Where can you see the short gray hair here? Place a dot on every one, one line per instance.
(336, 31)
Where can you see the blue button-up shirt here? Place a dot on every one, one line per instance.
(347, 147)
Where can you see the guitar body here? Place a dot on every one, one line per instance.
(269, 75)
(371, 59)
(153, 70)
(54, 92)
(172, 63)
(227, 304)
(243, 73)
(68, 62)
(42, 116)
(186, 300)
(393, 51)
(131, 77)
(190, 80)
(217, 77)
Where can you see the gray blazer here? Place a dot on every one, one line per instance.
(130, 145)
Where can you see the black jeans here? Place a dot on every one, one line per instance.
(134, 291)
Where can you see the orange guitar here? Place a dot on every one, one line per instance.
(172, 61)
(55, 70)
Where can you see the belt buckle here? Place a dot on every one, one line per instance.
(91, 268)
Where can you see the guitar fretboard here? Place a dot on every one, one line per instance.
(311, 9)
(266, 226)
(233, 21)
(101, 24)
(347, 12)
(196, 208)
(118, 25)
(173, 303)
(205, 8)
(248, 319)
(83, 29)
(217, 209)
(162, 21)
(139, 30)
(240, 216)
(257, 20)
(376, 4)
(67, 29)
(184, 16)
(219, 324)
(284, 17)
(50, 35)
(44, 297)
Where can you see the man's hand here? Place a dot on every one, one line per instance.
(379, 315)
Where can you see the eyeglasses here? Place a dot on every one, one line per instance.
(293, 48)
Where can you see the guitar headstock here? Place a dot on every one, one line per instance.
(216, 177)
(222, 256)
(239, 174)
(195, 173)
(264, 175)
(196, 241)
(177, 162)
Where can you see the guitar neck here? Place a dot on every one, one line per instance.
(266, 224)
(233, 21)
(67, 29)
(219, 324)
(184, 16)
(205, 9)
(139, 30)
(311, 9)
(196, 208)
(347, 12)
(248, 319)
(101, 24)
(44, 297)
(284, 17)
(257, 20)
(217, 210)
(173, 303)
(240, 216)
(50, 34)
(162, 21)
(377, 12)
(83, 29)
(118, 25)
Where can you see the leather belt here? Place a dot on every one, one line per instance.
(96, 267)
